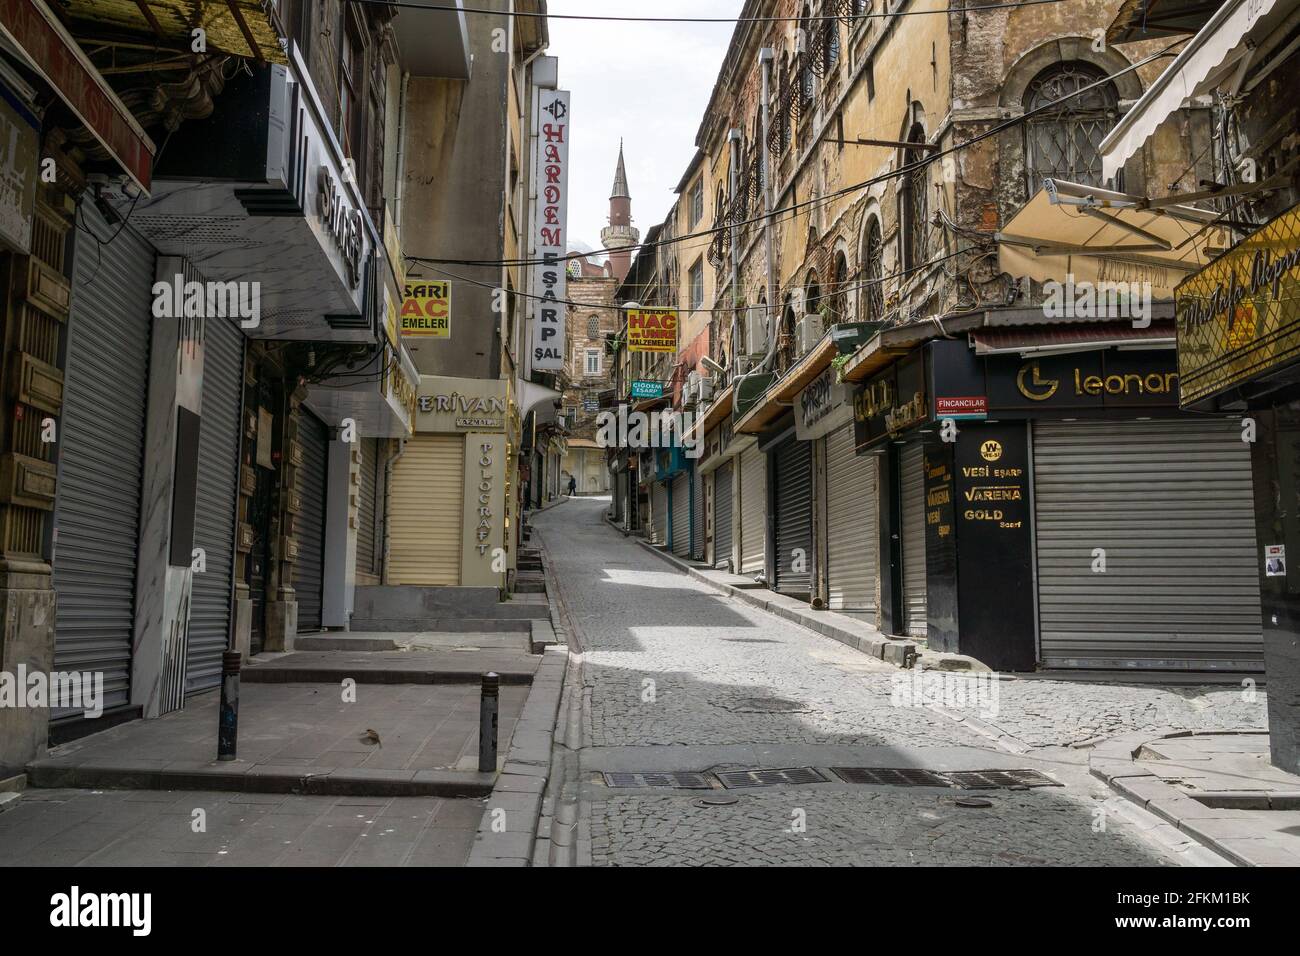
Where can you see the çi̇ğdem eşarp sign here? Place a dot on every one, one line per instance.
(551, 186)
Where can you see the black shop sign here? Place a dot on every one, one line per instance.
(891, 402)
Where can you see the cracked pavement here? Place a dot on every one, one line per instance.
(677, 676)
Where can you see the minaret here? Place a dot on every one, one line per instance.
(620, 231)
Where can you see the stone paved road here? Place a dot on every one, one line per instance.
(679, 677)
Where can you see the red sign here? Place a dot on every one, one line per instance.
(54, 54)
(971, 406)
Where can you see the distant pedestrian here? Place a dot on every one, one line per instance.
(573, 486)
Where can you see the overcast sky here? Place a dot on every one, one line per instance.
(646, 82)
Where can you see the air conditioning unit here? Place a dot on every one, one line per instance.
(704, 388)
(742, 365)
(756, 330)
(809, 332)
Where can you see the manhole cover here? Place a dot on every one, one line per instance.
(977, 802)
(768, 705)
(675, 779)
(891, 776)
(734, 779)
(999, 779)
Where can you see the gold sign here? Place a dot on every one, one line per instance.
(1239, 317)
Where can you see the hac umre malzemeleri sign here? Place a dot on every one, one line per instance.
(652, 330)
(1239, 317)
(426, 309)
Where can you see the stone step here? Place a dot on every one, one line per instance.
(342, 642)
(525, 586)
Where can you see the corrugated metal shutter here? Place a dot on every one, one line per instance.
(852, 525)
(1171, 504)
(101, 454)
(697, 515)
(722, 496)
(912, 490)
(309, 523)
(659, 512)
(794, 532)
(425, 511)
(753, 509)
(214, 513)
(367, 507)
(680, 533)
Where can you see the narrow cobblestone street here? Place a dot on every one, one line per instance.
(679, 677)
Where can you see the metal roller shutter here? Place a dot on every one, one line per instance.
(722, 496)
(680, 505)
(367, 507)
(794, 532)
(214, 513)
(852, 524)
(101, 455)
(753, 510)
(1171, 504)
(697, 515)
(309, 523)
(425, 511)
(912, 490)
(659, 512)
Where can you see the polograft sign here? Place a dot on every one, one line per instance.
(551, 185)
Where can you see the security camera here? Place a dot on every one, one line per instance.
(712, 366)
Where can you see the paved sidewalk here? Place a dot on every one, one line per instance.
(1217, 786)
(297, 737)
(154, 828)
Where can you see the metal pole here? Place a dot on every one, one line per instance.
(228, 722)
(487, 723)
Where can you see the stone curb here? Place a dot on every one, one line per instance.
(1114, 761)
(262, 778)
(901, 654)
(509, 826)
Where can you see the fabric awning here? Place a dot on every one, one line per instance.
(1098, 235)
(1231, 34)
(1071, 338)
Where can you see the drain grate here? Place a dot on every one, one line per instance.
(675, 779)
(952, 779)
(891, 777)
(999, 779)
(736, 779)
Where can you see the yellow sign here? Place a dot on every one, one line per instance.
(426, 309)
(991, 450)
(1239, 317)
(652, 330)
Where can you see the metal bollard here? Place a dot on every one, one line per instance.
(228, 720)
(487, 723)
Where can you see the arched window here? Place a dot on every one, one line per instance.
(915, 197)
(785, 342)
(839, 293)
(1061, 142)
(813, 295)
(873, 271)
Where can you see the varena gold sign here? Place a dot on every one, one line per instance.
(1239, 317)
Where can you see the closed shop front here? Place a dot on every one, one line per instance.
(214, 513)
(911, 490)
(369, 552)
(680, 506)
(1168, 505)
(852, 525)
(101, 453)
(697, 515)
(792, 467)
(722, 512)
(309, 523)
(658, 512)
(425, 511)
(753, 510)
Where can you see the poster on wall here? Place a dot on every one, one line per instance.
(549, 285)
(652, 330)
(426, 309)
